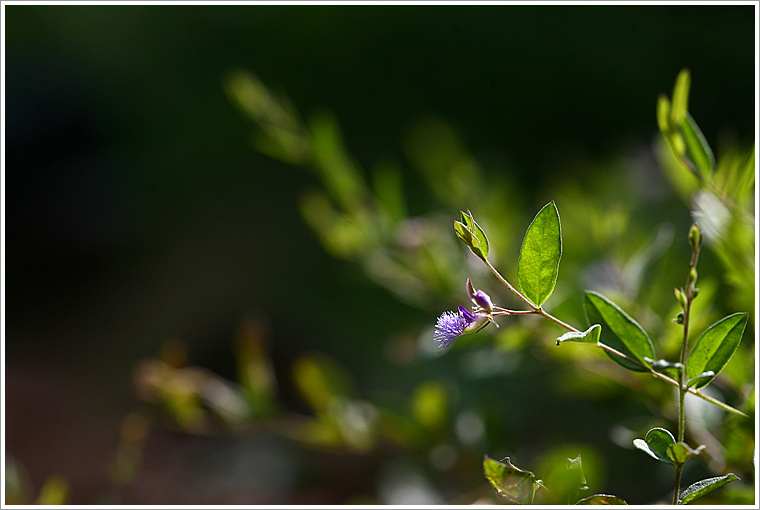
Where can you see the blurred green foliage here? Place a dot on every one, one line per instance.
(418, 261)
(371, 394)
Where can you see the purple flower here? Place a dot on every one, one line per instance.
(454, 324)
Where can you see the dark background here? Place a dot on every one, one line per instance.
(135, 206)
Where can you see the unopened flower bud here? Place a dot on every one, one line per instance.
(695, 237)
(693, 275)
(681, 298)
(483, 300)
(479, 298)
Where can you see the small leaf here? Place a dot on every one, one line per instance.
(698, 151)
(478, 232)
(466, 235)
(619, 330)
(510, 482)
(657, 442)
(680, 97)
(468, 238)
(701, 377)
(602, 499)
(699, 489)
(715, 347)
(541, 251)
(681, 452)
(591, 335)
(663, 114)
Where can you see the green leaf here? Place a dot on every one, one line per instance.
(681, 452)
(680, 97)
(746, 175)
(663, 114)
(478, 232)
(656, 444)
(698, 151)
(699, 489)
(715, 347)
(701, 377)
(510, 482)
(468, 238)
(541, 250)
(591, 335)
(602, 499)
(619, 330)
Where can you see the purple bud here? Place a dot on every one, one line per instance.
(482, 300)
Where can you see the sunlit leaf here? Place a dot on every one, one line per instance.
(681, 452)
(602, 499)
(478, 232)
(663, 114)
(706, 486)
(656, 444)
(591, 335)
(698, 151)
(466, 235)
(619, 330)
(680, 97)
(701, 377)
(541, 250)
(715, 347)
(510, 482)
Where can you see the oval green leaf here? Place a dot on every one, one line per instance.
(602, 499)
(541, 250)
(619, 330)
(715, 347)
(705, 486)
(511, 482)
(657, 443)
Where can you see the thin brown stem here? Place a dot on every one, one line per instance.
(509, 285)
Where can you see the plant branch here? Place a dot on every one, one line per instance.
(539, 311)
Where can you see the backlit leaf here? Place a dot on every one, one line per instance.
(698, 151)
(619, 330)
(680, 97)
(656, 444)
(706, 486)
(468, 238)
(541, 250)
(715, 347)
(681, 452)
(510, 482)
